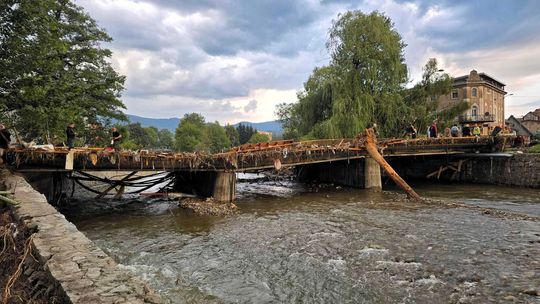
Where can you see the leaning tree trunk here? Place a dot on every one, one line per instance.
(371, 147)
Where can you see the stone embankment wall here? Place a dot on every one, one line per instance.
(521, 170)
(83, 272)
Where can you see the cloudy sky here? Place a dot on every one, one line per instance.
(235, 60)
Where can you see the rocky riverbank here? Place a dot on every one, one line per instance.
(207, 207)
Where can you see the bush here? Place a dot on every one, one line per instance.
(258, 137)
(534, 149)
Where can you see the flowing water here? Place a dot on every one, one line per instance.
(291, 243)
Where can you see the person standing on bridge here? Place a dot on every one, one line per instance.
(454, 131)
(433, 130)
(476, 131)
(466, 131)
(70, 134)
(411, 131)
(115, 139)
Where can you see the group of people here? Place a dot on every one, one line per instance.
(465, 131)
(454, 131)
(115, 136)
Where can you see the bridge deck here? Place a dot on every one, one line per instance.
(244, 158)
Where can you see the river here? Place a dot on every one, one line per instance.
(293, 243)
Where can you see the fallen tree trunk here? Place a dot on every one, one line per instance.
(371, 147)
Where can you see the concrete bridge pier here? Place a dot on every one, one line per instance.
(219, 185)
(372, 174)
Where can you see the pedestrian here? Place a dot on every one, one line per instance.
(496, 131)
(447, 132)
(411, 131)
(466, 130)
(454, 131)
(433, 130)
(70, 134)
(476, 131)
(115, 139)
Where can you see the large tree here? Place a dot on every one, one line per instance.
(215, 138)
(245, 132)
(359, 87)
(53, 69)
(190, 133)
(232, 134)
(422, 100)
(166, 139)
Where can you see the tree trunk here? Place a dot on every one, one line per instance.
(371, 147)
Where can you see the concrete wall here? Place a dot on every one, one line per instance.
(83, 272)
(519, 170)
(347, 173)
(219, 185)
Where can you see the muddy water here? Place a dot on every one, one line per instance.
(293, 244)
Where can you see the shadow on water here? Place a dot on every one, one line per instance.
(306, 244)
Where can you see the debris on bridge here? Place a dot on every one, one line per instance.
(251, 157)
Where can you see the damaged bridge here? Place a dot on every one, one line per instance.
(343, 161)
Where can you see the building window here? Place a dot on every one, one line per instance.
(474, 92)
(474, 111)
(455, 94)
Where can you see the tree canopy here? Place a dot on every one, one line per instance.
(422, 99)
(245, 132)
(364, 84)
(258, 137)
(215, 138)
(53, 69)
(190, 133)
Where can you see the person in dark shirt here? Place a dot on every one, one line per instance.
(5, 137)
(70, 134)
(116, 139)
(411, 131)
(466, 131)
(433, 130)
(496, 131)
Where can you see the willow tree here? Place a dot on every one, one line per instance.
(361, 85)
(53, 68)
(367, 55)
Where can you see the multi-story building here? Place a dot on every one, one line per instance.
(485, 96)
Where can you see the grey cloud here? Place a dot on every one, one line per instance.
(485, 24)
(251, 106)
(245, 25)
(185, 54)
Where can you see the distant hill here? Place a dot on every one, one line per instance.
(268, 126)
(171, 123)
(160, 123)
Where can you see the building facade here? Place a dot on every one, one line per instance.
(531, 121)
(485, 96)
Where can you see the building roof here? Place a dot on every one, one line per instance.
(519, 125)
(534, 113)
(483, 77)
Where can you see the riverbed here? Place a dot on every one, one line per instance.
(294, 243)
